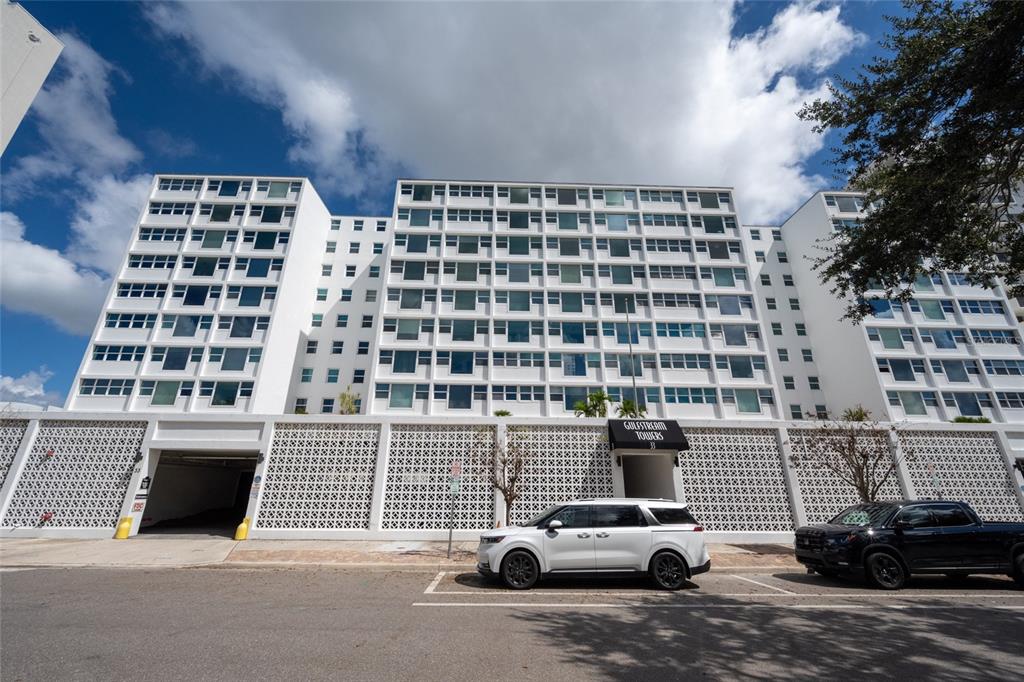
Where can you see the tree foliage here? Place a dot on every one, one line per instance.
(348, 402)
(933, 131)
(629, 409)
(596, 405)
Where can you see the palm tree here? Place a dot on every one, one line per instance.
(628, 409)
(595, 405)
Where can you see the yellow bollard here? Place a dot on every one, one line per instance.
(124, 528)
(242, 532)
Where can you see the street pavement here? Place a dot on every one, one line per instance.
(369, 623)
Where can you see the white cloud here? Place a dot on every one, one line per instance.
(41, 281)
(73, 116)
(29, 388)
(639, 92)
(81, 148)
(104, 220)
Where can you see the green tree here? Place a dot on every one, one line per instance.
(595, 405)
(502, 413)
(628, 409)
(348, 402)
(933, 131)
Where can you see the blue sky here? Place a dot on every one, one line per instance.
(353, 95)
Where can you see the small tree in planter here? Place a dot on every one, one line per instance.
(348, 402)
(855, 448)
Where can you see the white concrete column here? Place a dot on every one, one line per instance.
(796, 499)
(146, 466)
(1008, 460)
(618, 482)
(677, 476)
(380, 477)
(902, 472)
(259, 477)
(17, 465)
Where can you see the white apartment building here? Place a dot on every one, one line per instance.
(799, 387)
(525, 297)
(213, 302)
(27, 53)
(244, 295)
(953, 351)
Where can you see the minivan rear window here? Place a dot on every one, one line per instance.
(672, 515)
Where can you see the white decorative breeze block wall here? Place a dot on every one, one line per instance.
(319, 476)
(733, 481)
(966, 467)
(78, 471)
(420, 457)
(11, 433)
(565, 463)
(824, 493)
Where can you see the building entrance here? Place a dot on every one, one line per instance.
(198, 493)
(648, 476)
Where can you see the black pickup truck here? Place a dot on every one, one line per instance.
(888, 541)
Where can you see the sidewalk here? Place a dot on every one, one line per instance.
(166, 551)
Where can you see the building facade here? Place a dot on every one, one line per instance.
(27, 53)
(322, 376)
(952, 351)
(244, 295)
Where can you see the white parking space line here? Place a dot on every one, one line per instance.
(825, 607)
(780, 593)
(434, 583)
(761, 584)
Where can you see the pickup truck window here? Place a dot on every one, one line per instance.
(863, 515)
(670, 515)
(950, 515)
(916, 517)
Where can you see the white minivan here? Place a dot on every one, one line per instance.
(654, 537)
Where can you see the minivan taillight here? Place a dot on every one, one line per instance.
(698, 529)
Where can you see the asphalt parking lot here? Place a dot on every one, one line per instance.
(348, 623)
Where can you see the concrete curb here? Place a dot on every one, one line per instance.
(378, 566)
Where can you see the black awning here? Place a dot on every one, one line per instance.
(646, 434)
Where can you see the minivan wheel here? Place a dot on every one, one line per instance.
(668, 571)
(519, 570)
(886, 572)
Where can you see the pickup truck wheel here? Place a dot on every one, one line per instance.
(519, 570)
(1018, 574)
(668, 571)
(885, 571)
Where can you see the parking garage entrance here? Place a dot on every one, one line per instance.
(198, 493)
(649, 476)
(646, 450)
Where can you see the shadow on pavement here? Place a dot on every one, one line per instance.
(979, 583)
(631, 583)
(732, 639)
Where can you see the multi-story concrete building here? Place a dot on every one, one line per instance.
(526, 297)
(798, 382)
(27, 53)
(243, 294)
(954, 350)
(242, 299)
(214, 299)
